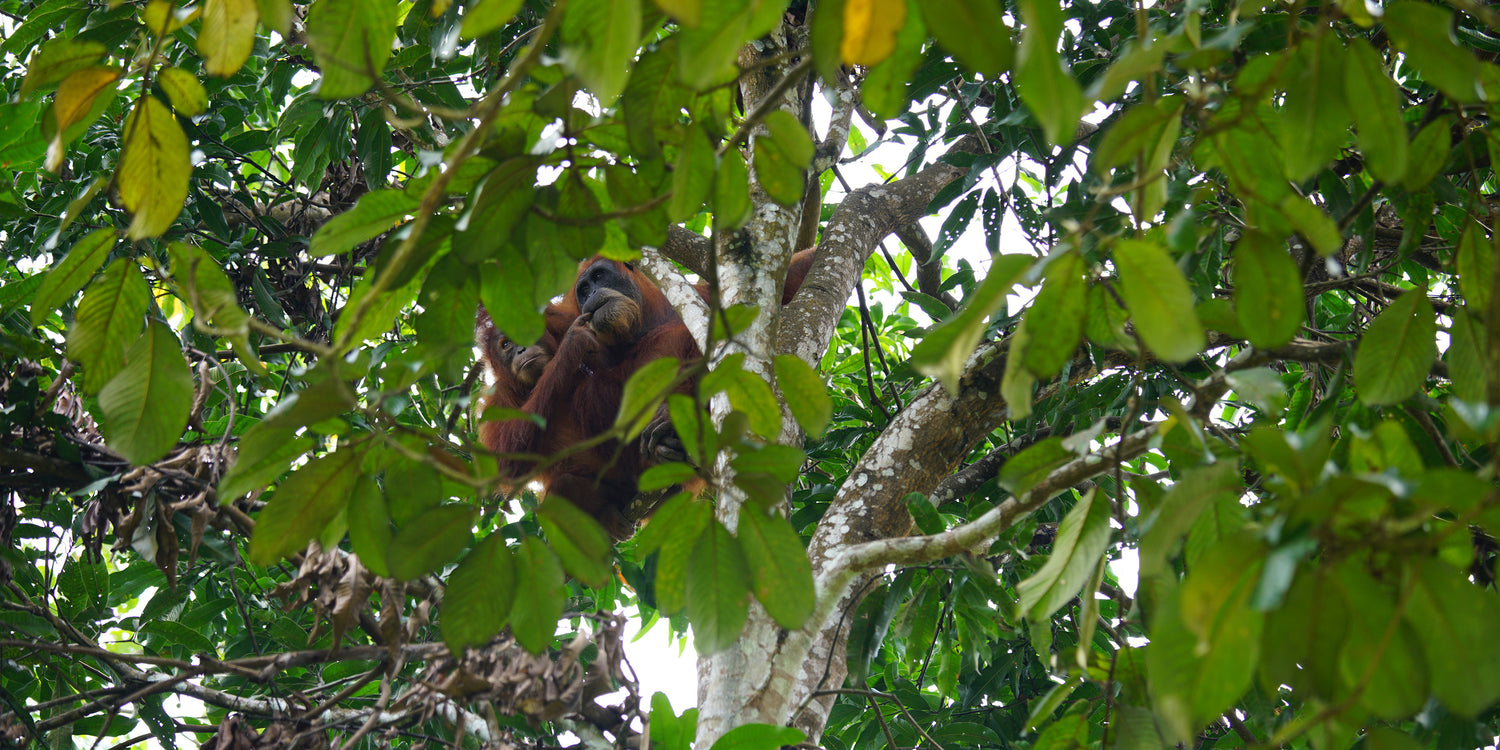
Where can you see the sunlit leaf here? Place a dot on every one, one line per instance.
(1082, 538)
(154, 168)
(944, 350)
(72, 273)
(973, 30)
(599, 42)
(1377, 112)
(228, 35)
(579, 541)
(805, 394)
(107, 322)
(781, 159)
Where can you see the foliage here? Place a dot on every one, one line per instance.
(1241, 322)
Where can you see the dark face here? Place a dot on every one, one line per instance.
(602, 275)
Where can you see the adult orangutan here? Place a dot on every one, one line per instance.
(612, 323)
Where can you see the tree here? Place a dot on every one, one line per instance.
(1240, 322)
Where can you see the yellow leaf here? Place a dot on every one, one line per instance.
(228, 35)
(154, 168)
(76, 94)
(870, 30)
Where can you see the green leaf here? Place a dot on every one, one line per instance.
(1476, 266)
(304, 503)
(479, 595)
(107, 321)
(1082, 538)
(1159, 300)
(692, 177)
(974, 31)
(1455, 621)
(1312, 223)
(1302, 637)
(370, 526)
(1262, 387)
(152, 176)
(144, 407)
(944, 350)
(1197, 489)
(750, 394)
(579, 541)
(539, 582)
(805, 394)
(1058, 310)
(1383, 657)
(55, 59)
(644, 393)
(599, 43)
(732, 205)
(780, 573)
(674, 531)
(1314, 118)
(351, 41)
(782, 158)
(484, 16)
(718, 598)
(1377, 113)
(1047, 88)
(1425, 33)
(1428, 153)
(758, 737)
(1396, 351)
(1468, 359)
(1190, 685)
(498, 204)
(1146, 131)
(187, 94)
(665, 475)
(1024, 470)
(69, 276)
(1267, 291)
(374, 214)
(430, 540)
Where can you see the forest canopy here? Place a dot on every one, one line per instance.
(1235, 320)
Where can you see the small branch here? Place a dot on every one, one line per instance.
(770, 102)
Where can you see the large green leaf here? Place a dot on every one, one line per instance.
(1314, 118)
(779, 570)
(75, 270)
(758, 737)
(1059, 311)
(375, 213)
(145, 405)
(1377, 112)
(1159, 300)
(1267, 291)
(718, 597)
(1082, 538)
(351, 41)
(692, 177)
(107, 321)
(539, 581)
(430, 540)
(579, 541)
(1455, 621)
(782, 157)
(1396, 351)
(1425, 33)
(599, 43)
(973, 30)
(805, 394)
(944, 350)
(479, 595)
(1045, 85)
(303, 504)
(152, 177)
